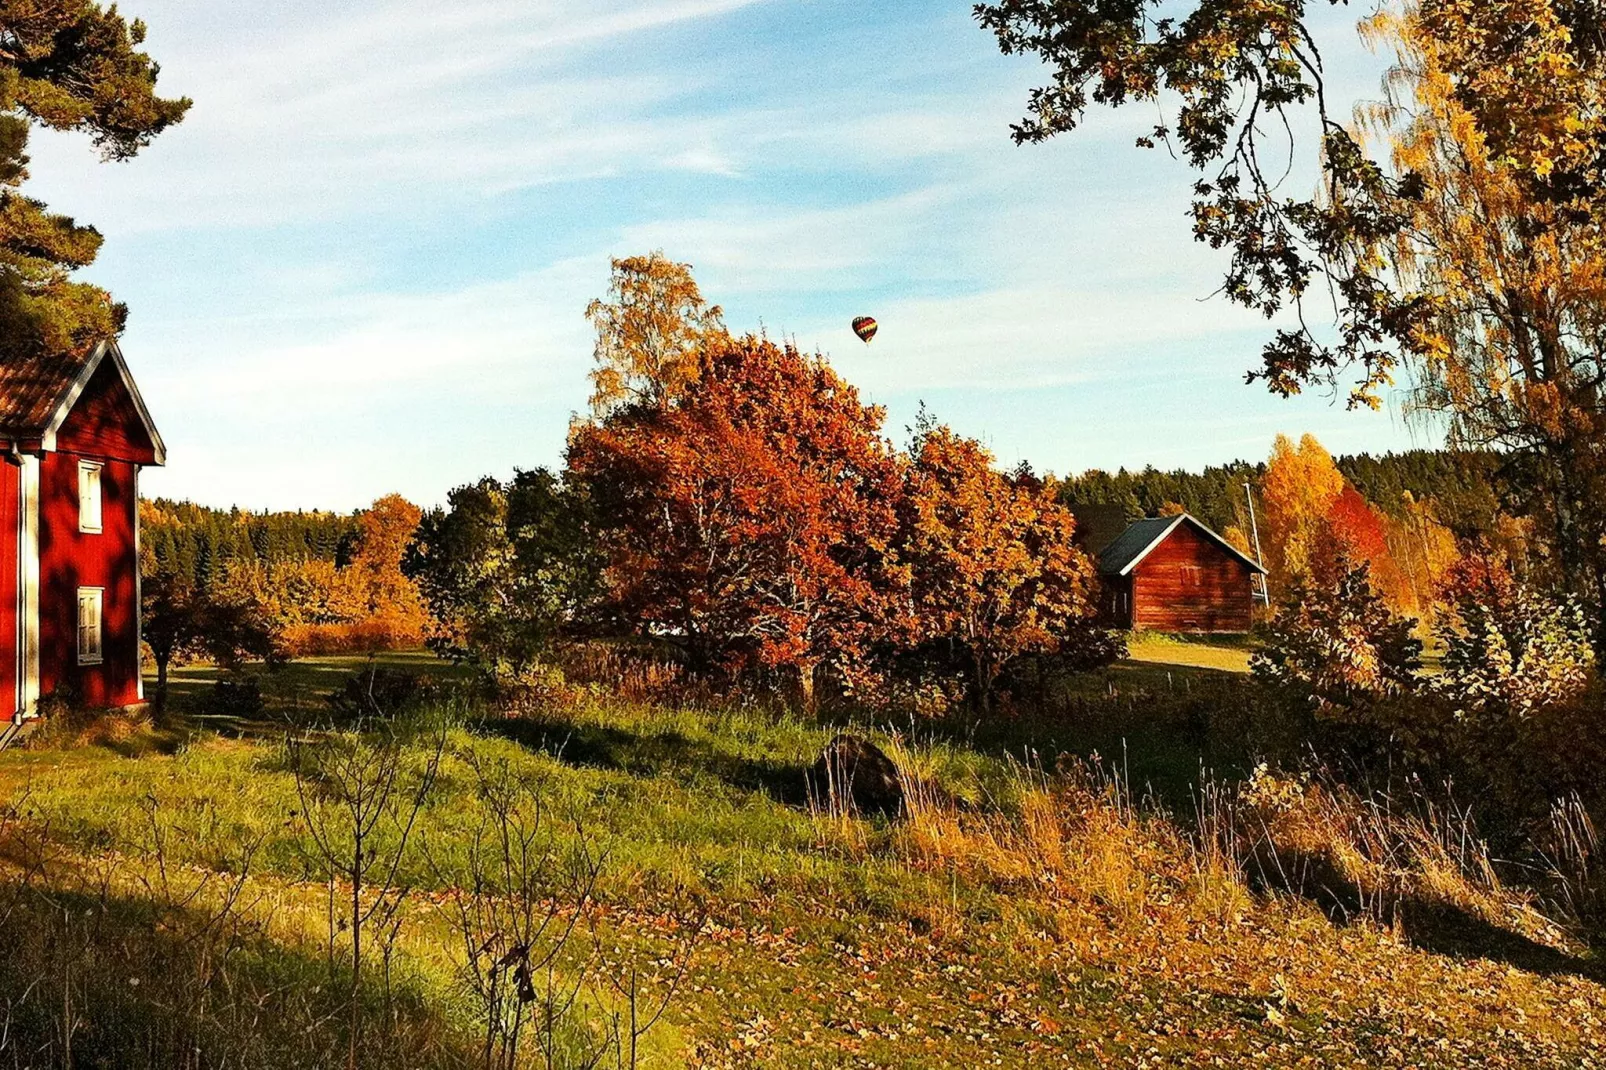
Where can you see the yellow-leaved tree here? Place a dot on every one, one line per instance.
(1297, 492)
(651, 329)
(1503, 249)
(1425, 551)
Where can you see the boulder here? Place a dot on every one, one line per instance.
(854, 775)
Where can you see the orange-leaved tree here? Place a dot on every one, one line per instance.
(383, 597)
(1318, 525)
(751, 519)
(993, 570)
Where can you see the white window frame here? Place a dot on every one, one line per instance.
(97, 655)
(91, 507)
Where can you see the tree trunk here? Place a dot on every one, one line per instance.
(161, 683)
(984, 684)
(805, 680)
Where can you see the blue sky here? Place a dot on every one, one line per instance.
(361, 263)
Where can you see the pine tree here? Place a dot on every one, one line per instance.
(69, 65)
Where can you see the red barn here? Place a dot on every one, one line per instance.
(1173, 574)
(74, 435)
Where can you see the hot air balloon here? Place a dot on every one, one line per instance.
(865, 328)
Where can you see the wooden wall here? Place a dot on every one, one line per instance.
(104, 424)
(70, 559)
(1190, 584)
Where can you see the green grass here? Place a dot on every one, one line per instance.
(834, 943)
(1158, 649)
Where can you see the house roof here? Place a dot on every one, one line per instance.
(37, 394)
(32, 390)
(1139, 539)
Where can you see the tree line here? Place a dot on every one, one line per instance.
(318, 582)
(200, 544)
(1465, 486)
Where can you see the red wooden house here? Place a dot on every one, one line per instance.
(74, 435)
(1173, 574)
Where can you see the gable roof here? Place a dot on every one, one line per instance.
(1137, 541)
(36, 395)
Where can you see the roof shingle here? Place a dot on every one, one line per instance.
(32, 390)
(1138, 537)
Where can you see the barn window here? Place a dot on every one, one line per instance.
(91, 631)
(88, 496)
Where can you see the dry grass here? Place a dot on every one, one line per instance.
(1398, 861)
(1078, 835)
(127, 730)
(1240, 907)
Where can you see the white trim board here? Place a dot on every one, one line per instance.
(28, 588)
(139, 601)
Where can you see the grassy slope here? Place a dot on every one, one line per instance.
(853, 943)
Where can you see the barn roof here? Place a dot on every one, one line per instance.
(37, 394)
(1135, 543)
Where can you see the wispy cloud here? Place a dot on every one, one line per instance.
(371, 243)
(415, 393)
(392, 106)
(477, 342)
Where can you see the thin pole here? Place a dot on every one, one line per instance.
(1254, 528)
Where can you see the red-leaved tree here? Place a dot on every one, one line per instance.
(1358, 533)
(753, 519)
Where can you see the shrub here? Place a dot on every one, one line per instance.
(1338, 654)
(536, 690)
(350, 637)
(1511, 650)
(376, 692)
(635, 671)
(1516, 712)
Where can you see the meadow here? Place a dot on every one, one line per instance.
(170, 903)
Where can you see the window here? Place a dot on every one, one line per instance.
(88, 497)
(90, 632)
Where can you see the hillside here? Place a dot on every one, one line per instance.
(1018, 917)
